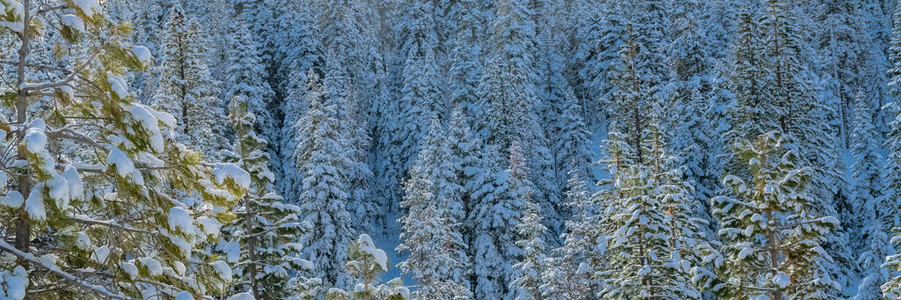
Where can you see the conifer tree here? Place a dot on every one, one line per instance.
(466, 57)
(82, 178)
(843, 51)
(892, 288)
(507, 90)
(322, 157)
(367, 263)
(600, 52)
(578, 252)
(296, 105)
(431, 227)
(421, 96)
(263, 242)
(496, 217)
(468, 163)
(867, 175)
(893, 142)
(530, 271)
(754, 112)
(873, 215)
(769, 222)
(649, 221)
(298, 48)
(186, 88)
(571, 147)
(247, 79)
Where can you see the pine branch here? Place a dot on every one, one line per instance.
(56, 270)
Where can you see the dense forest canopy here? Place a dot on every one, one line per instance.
(450, 149)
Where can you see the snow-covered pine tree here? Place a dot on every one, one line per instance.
(866, 172)
(876, 213)
(578, 252)
(692, 140)
(421, 96)
(496, 216)
(769, 222)
(812, 119)
(571, 146)
(367, 264)
(467, 161)
(694, 254)
(259, 14)
(507, 89)
(359, 175)
(695, 143)
(843, 53)
(530, 272)
(432, 233)
(529, 268)
(466, 57)
(186, 88)
(754, 112)
(892, 169)
(598, 51)
(892, 288)
(650, 220)
(298, 47)
(81, 180)
(299, 55)
(247, 79)
(322, 158)
(262, 243)
(510, 105)
(873, 214)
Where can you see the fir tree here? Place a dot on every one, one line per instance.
(263, 240)
(246, 79)
(578, 252)
(496, 217)
(530, 271)
(322, 157)
(892, 288)
(867, 175)
(466, 57)
(768, 222)
(650, 220)
(754, 112)
(431, 227)
(186, 88)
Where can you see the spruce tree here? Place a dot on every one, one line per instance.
(578, 252)
(85, 190)
(263, 242)
(322, 158)
(507, 91)
(466, 57)
(654, 245)
(867, 175)
(754, 112)
(186, 88)
(496, 216)
(768, 221)
(529, 281)
(247, 79)
(892, 288)
(432, 234)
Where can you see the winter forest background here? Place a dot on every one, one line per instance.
(450, 149)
